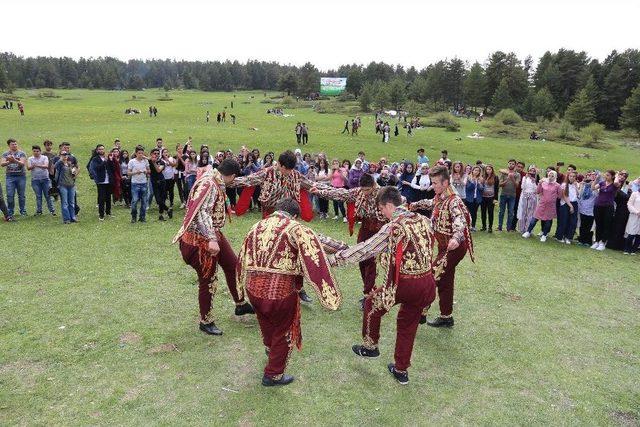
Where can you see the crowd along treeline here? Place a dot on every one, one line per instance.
(502, 81)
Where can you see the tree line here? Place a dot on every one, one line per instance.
(564, 83)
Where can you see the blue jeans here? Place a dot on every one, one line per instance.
(67, 203)
(191, 179)
(16, 182)
(41, 188)
(567, 222)
(508, 202)
(138, 194)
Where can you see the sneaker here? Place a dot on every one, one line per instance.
(53, 214)
(473, 229)
(283, 380)
(625, 253)
(142, 220)
(344, 219)
(161, 218)
(526, 235)
(133, 221)
(361, 350)
(37, 214)
(335, 217)
(567, 241)
(170, 213)
(401, 377)
(181, 205)
(601, 247)
(101, 218)
(595, 245)
(543, 238)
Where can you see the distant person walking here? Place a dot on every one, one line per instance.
(298, 131)
(305, 134)
(208, 116)
(346, 127)
(21, 108)
(218, 118)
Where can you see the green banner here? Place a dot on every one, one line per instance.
(332, 86)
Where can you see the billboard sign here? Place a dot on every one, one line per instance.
(332, 85)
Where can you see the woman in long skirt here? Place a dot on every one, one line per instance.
(528, 199)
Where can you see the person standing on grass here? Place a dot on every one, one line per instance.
(489, 197)
(528, 199)
(38, 164)
(66, 173)
(473, 194)
(509, 181)
(520, 171)
(632, 241)
(603, 207)
(270, 274)
(125, 182)
(168, 173)
(15, 160)
(549, 191)
(338, 180)
(204, 247)
(407, 242)
(305, 133)
(157, 165)
(586, 200)
(208, 116)
(568, 209)
(451, 221)
(50, 155)
(101, 171)
(180, 157)
(324, 179)
(298, 131)
(114, 164)
(21, 108)
(459, 179)
(190, 172)
(138, 171)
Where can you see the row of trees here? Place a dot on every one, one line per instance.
(503, 81)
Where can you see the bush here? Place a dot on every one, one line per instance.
(565, 131)
(593, 135)
(508, 117)
(47, 94)
(325, 108)
(415, 108)
(288, 100)
(345, 97)
(443, 120)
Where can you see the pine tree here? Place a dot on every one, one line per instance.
(630, 119)
(501, 98)
(542, 104)
(580, 112)
(475, 86)
(397, 93)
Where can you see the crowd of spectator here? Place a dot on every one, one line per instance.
(590, 208)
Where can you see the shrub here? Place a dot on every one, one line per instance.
(443, 120)
(508, 117)
(565, 131)
(48, 93)
(288, 100)
(345, 97)
(593, 135)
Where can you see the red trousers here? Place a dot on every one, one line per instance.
(368, 228)
(206, 265)
(446, 279)
(413, 295)
(278, 313)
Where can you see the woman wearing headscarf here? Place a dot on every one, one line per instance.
(621, 215)
(549, 191)
(404, 183)
(528, 199)
(632, 230)
(586, 199)
(355, 173)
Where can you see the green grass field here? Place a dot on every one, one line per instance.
(98, 322)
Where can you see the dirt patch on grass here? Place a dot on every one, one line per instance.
(26, 372)
(40, 292)
(626, 419)
(163, 348)
(130, 338)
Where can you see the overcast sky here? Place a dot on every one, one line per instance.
(327, 33)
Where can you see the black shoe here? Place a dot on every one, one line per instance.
(304, 297)
(483, 229)
(161, 218)
(270, 382)
(142, 220)
(243, 309)
(401, 377)
(170, 213)
(210, 328)
(361, 350)
(489, 231)
(362, 303)
(133, 220)
(439, 322)
(423, 320)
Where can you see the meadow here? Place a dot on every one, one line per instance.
(98, 320)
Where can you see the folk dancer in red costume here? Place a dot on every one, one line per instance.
(450, 221)
(277, 254)
(203, 246)
(361, 206)
(405, 245)
(277, 183)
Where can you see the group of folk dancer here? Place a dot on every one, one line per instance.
(279, 253)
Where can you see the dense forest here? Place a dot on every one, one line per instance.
(564, 83)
